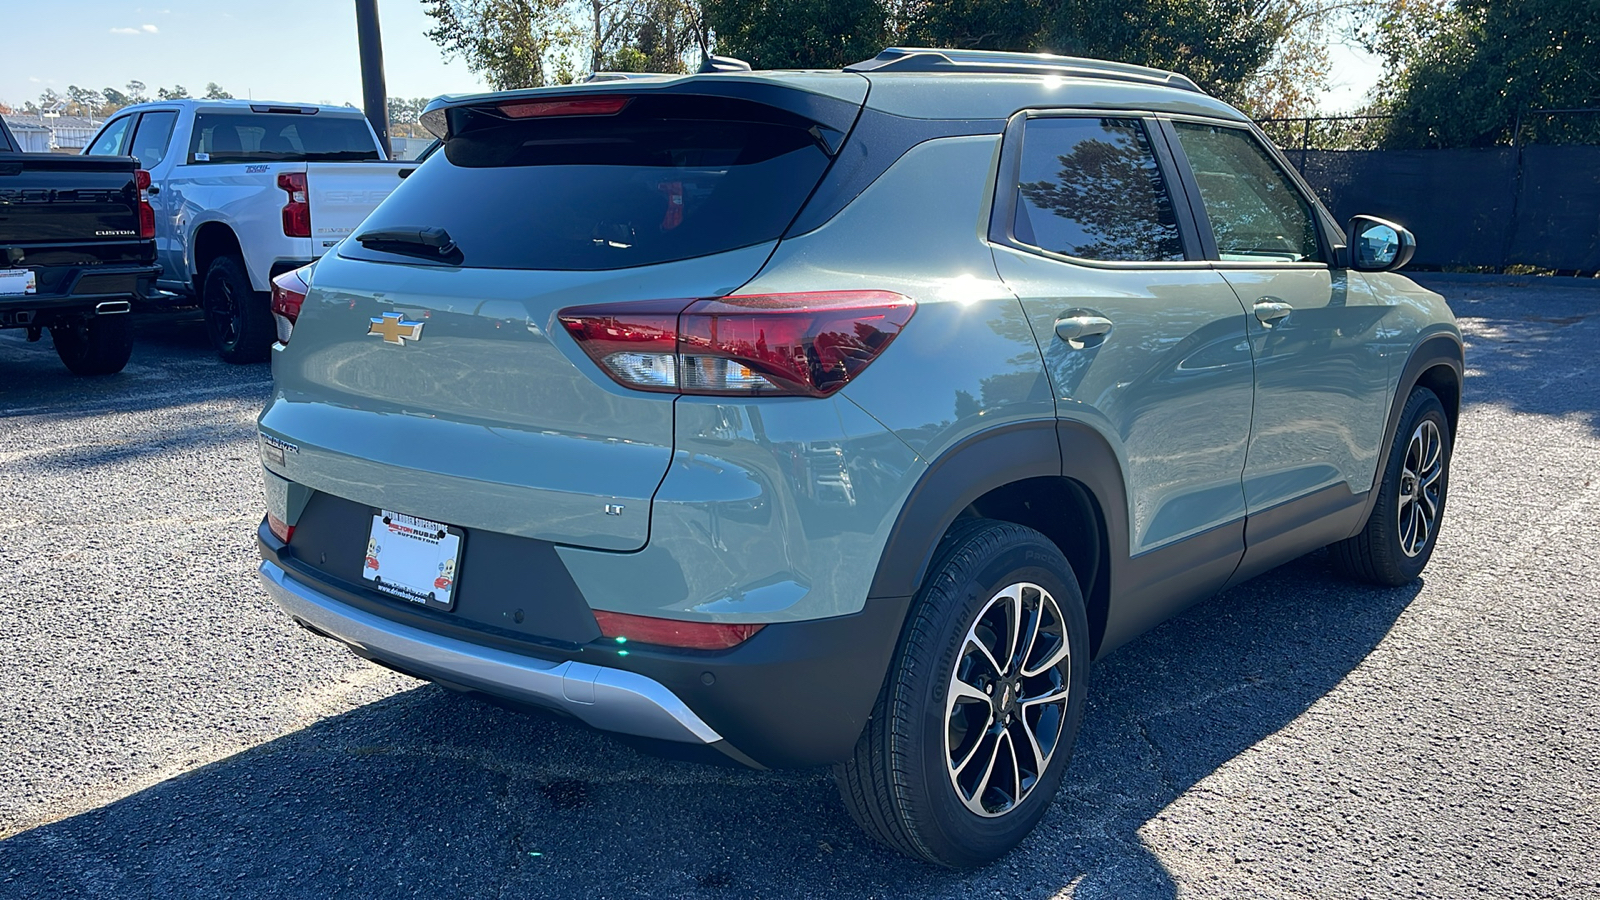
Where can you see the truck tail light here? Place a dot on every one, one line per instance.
(296, 212)
(279, 528)
(624, 628)
(288, 295)
(147, 214)
(809, 344)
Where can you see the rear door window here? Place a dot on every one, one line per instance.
(151, 137)
(1257, 214)
(1090, 188)
(111, 141)
(667, 178)
(280, 137)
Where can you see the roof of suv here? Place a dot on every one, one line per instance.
(925, 83)
(243, 106)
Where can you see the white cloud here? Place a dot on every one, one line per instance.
(124, 31)
(149, 28)
(34, 79)
(142, 29)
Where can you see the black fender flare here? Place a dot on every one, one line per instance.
(1442, 349)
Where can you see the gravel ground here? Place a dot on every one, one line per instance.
(163, 731)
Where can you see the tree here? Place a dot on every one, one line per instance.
(1462, 74)
(214, 91)
(804, 34)
(177, 92)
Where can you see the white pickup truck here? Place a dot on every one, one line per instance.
(243, 191)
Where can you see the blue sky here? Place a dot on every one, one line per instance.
(291, 50)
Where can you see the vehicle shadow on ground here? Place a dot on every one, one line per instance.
(428, 793)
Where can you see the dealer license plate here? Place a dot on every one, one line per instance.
(15, 282)
(413, 559)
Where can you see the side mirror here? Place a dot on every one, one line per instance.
(1377, 245)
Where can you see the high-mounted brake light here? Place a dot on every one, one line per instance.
(296, 212)
(581, 106)
(288, 295)
(624, 628)
(809, 344)
(147, 214)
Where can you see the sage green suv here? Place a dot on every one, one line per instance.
(843, 418)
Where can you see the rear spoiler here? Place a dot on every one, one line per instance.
(831, 118)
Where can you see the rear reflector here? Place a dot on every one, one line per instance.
(582, 106)
(624, 628)
(280, 529)
(809, 344)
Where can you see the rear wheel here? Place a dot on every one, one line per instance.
(1403, 528)
(238, 318)
(975, 724)
(95, 345)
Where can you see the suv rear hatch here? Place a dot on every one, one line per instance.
(427, 372)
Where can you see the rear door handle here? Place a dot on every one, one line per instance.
(154, 189)
(1076, 328)
(1271, 311)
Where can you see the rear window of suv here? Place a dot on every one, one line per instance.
(280, 137)
(667, 178)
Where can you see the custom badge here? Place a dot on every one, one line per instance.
(395, 328)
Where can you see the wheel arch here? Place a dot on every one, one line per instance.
(211, 240)
(1061, 478)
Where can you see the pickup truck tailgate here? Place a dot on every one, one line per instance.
(343, 193)
(47, 197)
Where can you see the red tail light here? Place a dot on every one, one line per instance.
(624, 628)
(280, 529)
(806, 344)
(582, 106)
(288, 295)
(296, 212)
(147, 215)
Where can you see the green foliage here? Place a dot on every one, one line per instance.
(504, 40)
(798, 34)
(1463, 73)
(214, 91)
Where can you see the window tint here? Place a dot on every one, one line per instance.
(667, 179)
(1091, 188)
(280, 137)
(150, 138)
(1256, 213)
(110, 141)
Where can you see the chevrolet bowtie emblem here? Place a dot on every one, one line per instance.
(395, 328)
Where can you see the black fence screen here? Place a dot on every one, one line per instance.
(1533, 204)
(1472, 207)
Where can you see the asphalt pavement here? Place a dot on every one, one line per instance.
(164, 731)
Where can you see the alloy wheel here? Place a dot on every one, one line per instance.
(1421, 491)
(1007, 699)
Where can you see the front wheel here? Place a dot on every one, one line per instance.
(975, 724)
(1403, 528)
(95, 345)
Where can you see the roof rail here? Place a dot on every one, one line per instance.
(926, 59)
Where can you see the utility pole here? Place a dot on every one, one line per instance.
(373, 93)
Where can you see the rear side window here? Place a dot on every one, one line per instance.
(151, 137)
(279, 137)
(667, 178)
(1090, 188)
(1256, 213)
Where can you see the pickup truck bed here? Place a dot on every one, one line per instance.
(74, 253)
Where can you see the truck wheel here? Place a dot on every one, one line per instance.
(95, 345)
(238, 319)
(975, 723)
(1403, 528)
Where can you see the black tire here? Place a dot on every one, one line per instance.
(898, 784)
(238, 318)
(1389, 550)
(95, 345)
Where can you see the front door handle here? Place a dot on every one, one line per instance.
(1271, 311)
(154, 189)
(1075, 328)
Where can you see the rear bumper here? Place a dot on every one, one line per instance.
(606, 698)
(795, 695)
(97, 290)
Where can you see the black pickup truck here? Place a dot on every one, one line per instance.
(77, 250)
